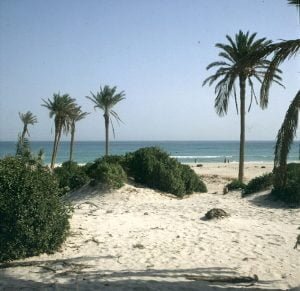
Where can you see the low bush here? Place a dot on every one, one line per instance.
(291, 192)
(257, 184)
(192, 181)
(33, 219)
(235, 185)
(108, 172)
(70, 176)
(114, 159)
(155, 169)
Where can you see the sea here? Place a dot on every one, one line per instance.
(184, 151)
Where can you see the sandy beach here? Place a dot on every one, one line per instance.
(136, 238)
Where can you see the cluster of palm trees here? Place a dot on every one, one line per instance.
(244, 59)
(66, 113)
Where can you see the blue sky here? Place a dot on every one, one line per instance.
(156, 51)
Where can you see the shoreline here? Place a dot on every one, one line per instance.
(194, 164)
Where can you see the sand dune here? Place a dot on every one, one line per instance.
(140, 239)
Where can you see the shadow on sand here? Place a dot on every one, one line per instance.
(79, 274)
(265, 200)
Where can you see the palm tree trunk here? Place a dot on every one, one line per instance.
(72, 142)
(106, 119)
(53, 151)
(55, 146)
(242, 129)
(23, 134)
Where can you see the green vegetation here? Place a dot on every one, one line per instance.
(290, 192)
(260, 183)
(23, 150)
(155, 169)
(242, 61)
(70, 176)
(235, 185)
(105, 100)
(33, 219)
(108, 172)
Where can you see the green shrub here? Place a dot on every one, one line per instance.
(260, 183)
(111, 174)
(291, 192)
(114, 159)
(192, 181)
(155, 169)
(235, 185)
(33, 219)
(70, 176)
(293, 171)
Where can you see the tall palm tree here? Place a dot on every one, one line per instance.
(76, 116)
(27, 119)
(240, 63)
(283, 50)
(61, 108)
(105, 100)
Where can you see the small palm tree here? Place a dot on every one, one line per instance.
(61, 108)
(27, 119)
(77, 115)
(242, 61)
(105, 100)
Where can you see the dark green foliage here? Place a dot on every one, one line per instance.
(107, 171)
(23, 150)
(291, 192)
(293, 170)
(114, 159)
(33, 219)
(70, 176)
(260, 183)
(192, 182)
(154, 168)
(235, 185)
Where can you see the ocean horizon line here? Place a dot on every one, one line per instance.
(158, 140)
(183, 150)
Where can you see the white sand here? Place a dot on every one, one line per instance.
(139, 239)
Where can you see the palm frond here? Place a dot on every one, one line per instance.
(287, 132)
(214, 64)
(282, 51)
(28, 118)
(252, 94)
(243, 56)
